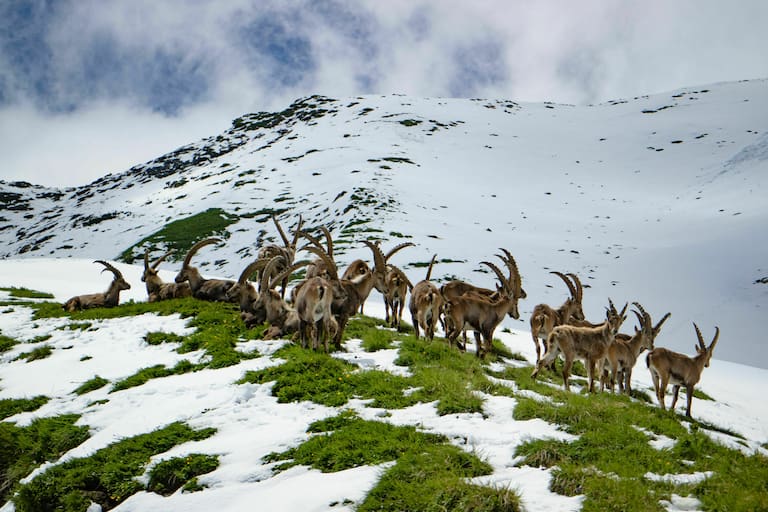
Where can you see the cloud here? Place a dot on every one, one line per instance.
(111, 71)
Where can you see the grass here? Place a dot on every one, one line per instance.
(180, 235)
(107, 477)
(170, 475)
(6, 343)
(91, 385)
(38, 353)
(26, 293)
(11, 406)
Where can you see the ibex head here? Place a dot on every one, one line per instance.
(150, 271)
(509, 286)
(118, 281)
(186, 269)
(615, 318)
(702, 349)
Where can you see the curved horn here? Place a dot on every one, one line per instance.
(197, 247)
(397, 248)
(268, 269)
(647, 322)
(314, 241)
(567, 282)
(700, 337)
(326, 258)
(328, 240)
(250, 269)
(287, 272)
(514, 275)
(379, 262)
(657, 328)
(159, 260)
(112, 269)
(579, 287)
(641, 319)
(280, 230)
(296, 234)
(146, 260)
(714, 340)
(504, 282)
(429, 270)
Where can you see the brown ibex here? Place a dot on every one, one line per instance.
(157, 289)
(313, 306)
(680, 370)
(108, 299)
(623, 353)
(426, 304)
(589, 344)
(282, 318)
(544, 318)
(391, 282)
(245, 294)
(203, 289)
(483, 313)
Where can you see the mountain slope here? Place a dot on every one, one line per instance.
(656, 199)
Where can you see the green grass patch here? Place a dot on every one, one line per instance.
(91, 385)
(6, 343)
(107, 477)
(158, 338)
(26, 293)
(170, 475)
(180, 235)
(38, 353)
(11, 406)
(153, 372)
(371, 331)
(24, 448)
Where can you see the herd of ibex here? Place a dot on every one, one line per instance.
(321, 304)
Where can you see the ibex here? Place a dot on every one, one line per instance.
(157, 289)
(245, 294)
(456, 288)
(680, 370)
(483, 313)
(348, 294)
(313, 306)
(544, 318)
(204, 289)
(282, 318)
(108, 299)
(391, 282)
(287, 250)
(623, 353)
(589, 344)
(426, 304)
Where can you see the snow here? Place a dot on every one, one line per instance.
(251, 424)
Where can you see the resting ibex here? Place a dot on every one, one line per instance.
(157, 289)
(426, 305)
(204, 289)
(587, 343)
(108, 299)
(483, 313)
(623, 353)
(282, 318)
(391, 282)
(245, 294)
(544, 318)
(348, 294)
(287, 251)
(680, 370)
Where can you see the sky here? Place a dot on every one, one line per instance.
(91, 87)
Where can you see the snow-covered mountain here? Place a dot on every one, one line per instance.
(657, 199)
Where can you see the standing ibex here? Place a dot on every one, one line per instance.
(157, 289)
(313, 306)
(391, 282)
(426, 305)
(287, 250)
(544, 318)
(483, 313)
(623, 353)
(348, 294)
(680, 370)
(108, 299)
(204, 289)
(587, 343)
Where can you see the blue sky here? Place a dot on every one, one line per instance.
(129, 80)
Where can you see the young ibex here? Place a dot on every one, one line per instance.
(544, 318)
(157, 289)
(680, 370)
(426, 304)
(589, 344)
(108, 299)
(483, 313)
(623, 353)
(203, 289)
(391, 282)
(313, 306)
(287, 250)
